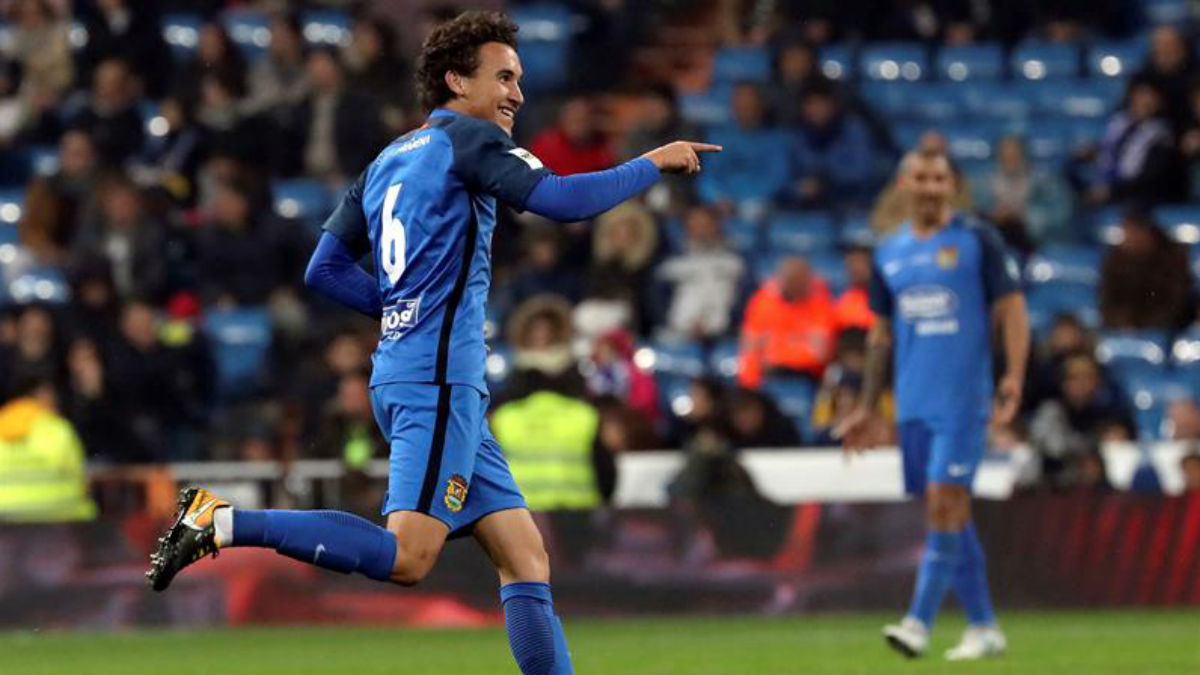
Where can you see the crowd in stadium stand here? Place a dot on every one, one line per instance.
(166, 166)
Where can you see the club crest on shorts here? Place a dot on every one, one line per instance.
(947, 257)
(456, 493)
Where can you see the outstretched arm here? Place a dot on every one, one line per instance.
(334, 272)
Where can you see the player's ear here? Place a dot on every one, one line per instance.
(455, 83)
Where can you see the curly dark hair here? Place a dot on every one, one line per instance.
(454, 46)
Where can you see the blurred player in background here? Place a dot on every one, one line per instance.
(940, 285)
(425, 210)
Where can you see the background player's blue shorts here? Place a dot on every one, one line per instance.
(444, 461)
(936, 453)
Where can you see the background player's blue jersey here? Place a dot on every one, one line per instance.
(426, 209)
(938, 294)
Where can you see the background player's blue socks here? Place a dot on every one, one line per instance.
(534, 632)
(938, 565)
(970, 581)
(331, 539)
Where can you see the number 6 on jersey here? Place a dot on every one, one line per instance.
(392, 240)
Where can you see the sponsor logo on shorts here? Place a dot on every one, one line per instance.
(456, 493)
(399, 318)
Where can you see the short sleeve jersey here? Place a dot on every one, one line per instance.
(938, 293)
(425, 209)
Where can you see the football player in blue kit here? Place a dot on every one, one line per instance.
(425, 210)
(942, 283)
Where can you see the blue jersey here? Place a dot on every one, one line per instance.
(937, 293)
(425, 208)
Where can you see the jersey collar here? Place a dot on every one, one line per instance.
(442, 112)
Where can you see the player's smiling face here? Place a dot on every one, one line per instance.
(930, 183)
(493, 91)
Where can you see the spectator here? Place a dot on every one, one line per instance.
(336, 129)
(623, 245)
(612, 372)
(280, 78)
(1189, 466)
(36, 349)
(96, 410)
(1088, 473)
(140, 381)
(41, 48)
(835, 160)
(575, 144)
(42, 466)
(111, 117)
(1066, 426)
(539, 331)
(128, 30)
(658, 124)
(95, 306)
(1026, 205)
(376, 70)
(852, 309)
(171, 159)
(756, 422)
(228, 130)
(789, 325)
(216, 54)
(705, 280)
(797, 69)
(543, 270)
(1171, 69)
(55, 204)
(247, 256)
(347, 429)
(623, 430)
(1183, 420)
(840, 389)
(703, 417)
(123, 234)
(345, 352)
(1144, 280)
(1068, 336)
(754, 166)
(1138, 160)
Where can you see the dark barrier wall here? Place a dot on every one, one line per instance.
(733, 557)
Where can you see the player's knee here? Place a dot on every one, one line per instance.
(413, 564)
(948, 507)
(532, 564)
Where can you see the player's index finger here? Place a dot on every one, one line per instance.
(704, 147)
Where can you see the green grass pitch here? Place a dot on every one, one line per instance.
(1041, 643)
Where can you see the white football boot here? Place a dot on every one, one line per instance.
(979, 642)
(910, 637)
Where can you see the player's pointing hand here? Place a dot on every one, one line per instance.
(680, 156)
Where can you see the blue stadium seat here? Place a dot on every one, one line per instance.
(986, 99)
(1182, 222)
(1105, 224)
(800, 232)
(545, 44)
(764, 266)
(1166, 11)
(1051, 140)
(12, 201)
(302, 198)
(828, 264)
(837, 61)
(42, 285)
(499, 365)
(181, 31)
(742, 64)
(683, 359)
(43, 159)
(795, 397)
(972, 141)
(906, 134)
(708, 108)
(241, 341)
(856, 231)
(1115, 59)
(77, 35)
(674, 393)
(743, 235)
(1065, 264)
(1150, 394)
(1130, 355)
(1048, 299)
(971, 62)
(9, 235)
(1185, 357)
(907, 61)
(249, 29)
(1093, 98)
(326, 27)
(933, 102)
(1034, 60)
(723, 359)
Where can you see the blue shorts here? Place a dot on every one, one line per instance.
(444, 461)
(940, 454)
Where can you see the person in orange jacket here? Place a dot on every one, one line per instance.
(789, 325)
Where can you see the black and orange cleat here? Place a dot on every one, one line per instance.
(190, 538)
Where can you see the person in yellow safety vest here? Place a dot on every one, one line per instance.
(43, 478)
(549, 440)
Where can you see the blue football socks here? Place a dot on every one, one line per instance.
(335, 540)
(970, 581)
(534, 632)
(938, 566)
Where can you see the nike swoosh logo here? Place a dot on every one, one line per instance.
(190, 519)
(320, 550)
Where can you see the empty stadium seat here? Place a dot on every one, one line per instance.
(933, 102)
(8, 235)
(837, 61)
(971, 62)
(794, 396)
(248, 29)
(972, 141)
(545, 44)
(685, 359)
(828, 265)
(305, 199)
(742, 235)
(1115, 59)
(1150, 394)
(1065, 264)
(241, 343)
(1166, 11)
(986, 99)
(723, 358)
(800, 232)
(856, 231)
(1034, 60)
(1046, 300)
(742, 64)
(499, 365)
(1182, 222)
(1090, 98)
(326, 27)
(181, 31)
(906, 61)
(12, 201)
(40, 285)
(707, 108)
(1130, 355)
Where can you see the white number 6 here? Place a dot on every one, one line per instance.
(392, 242)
